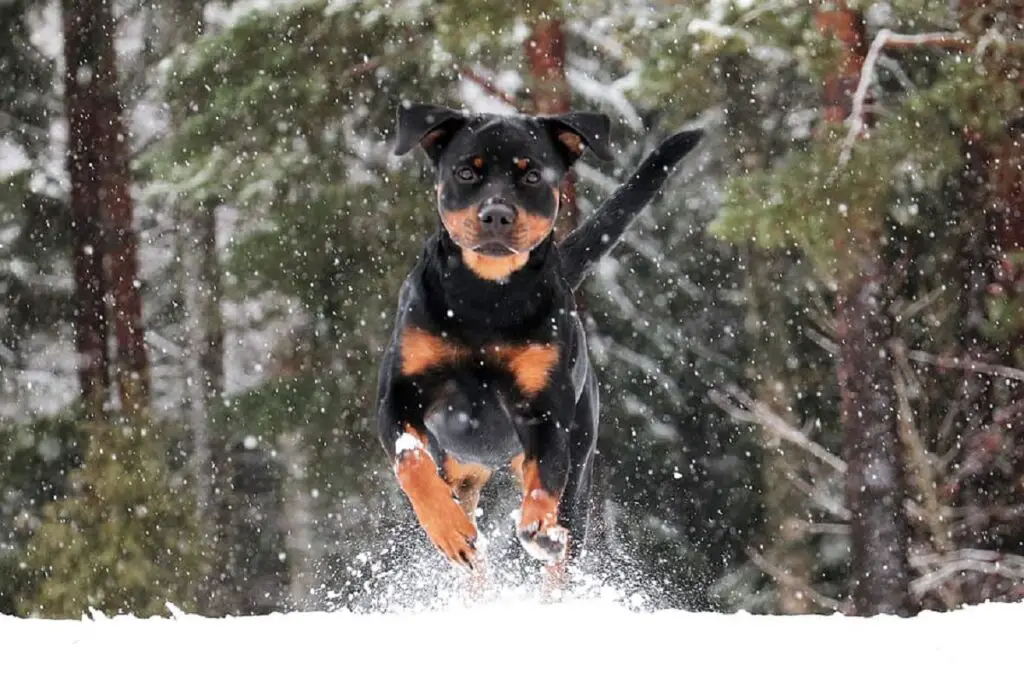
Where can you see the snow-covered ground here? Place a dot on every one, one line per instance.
(578, 640)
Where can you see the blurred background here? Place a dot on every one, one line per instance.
(809, 347)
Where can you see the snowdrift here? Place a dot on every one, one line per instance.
(576, 640)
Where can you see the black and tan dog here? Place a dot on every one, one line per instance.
(488, 366)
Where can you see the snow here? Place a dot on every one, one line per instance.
(589, 639)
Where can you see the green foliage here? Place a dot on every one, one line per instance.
(35, 457)
(831, 209)
(1005, 303)
(124, 538)
(32, 257)
(258, 115)
(25, 87)
(690, 53)
(795, 204)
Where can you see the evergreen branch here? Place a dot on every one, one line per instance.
(887, 39)
(488, 86)
(784, 578)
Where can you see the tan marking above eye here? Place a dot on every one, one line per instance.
(522, 164)
(571, 140)
(478, 162)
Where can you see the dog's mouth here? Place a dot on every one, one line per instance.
(495, 248)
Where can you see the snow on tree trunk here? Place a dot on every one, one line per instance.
(81, 31)
(876, 482)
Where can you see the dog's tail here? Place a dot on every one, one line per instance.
(601, 231)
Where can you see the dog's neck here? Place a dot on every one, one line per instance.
(458, 293)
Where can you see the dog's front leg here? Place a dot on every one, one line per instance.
(402, 433)
(544, 471)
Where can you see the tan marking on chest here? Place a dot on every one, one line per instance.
(422, 351)
(530, 364)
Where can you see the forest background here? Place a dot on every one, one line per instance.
(809, 347)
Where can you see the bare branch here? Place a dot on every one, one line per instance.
(949, 363)
(921, 469)
(757, 412)
(821, 528)
(888, 39)
(942, 567)
(786, 579)
(817, 495)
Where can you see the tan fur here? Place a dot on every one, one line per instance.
(422, 351)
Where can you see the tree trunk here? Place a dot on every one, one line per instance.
(81, 38)
(210, 463)
(876, 481)
(204, 336)
(299, 516)
(550, 94)
(102, 206)
(786, 547)
(112, 153)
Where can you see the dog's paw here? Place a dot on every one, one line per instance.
(538, 529)
(545, 544)
(451, 532)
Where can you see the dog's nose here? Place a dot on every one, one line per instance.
(497, 216)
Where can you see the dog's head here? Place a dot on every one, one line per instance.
(498, 177)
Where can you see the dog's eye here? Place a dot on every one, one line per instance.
(532, 177)
(466, 174)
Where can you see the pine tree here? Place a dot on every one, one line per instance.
(860, 206)
(123, 539)
(33, 215)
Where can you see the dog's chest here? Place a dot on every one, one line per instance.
(530, 363)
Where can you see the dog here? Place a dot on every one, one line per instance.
(487, 366)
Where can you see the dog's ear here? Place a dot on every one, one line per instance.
(428, 125)
(574, 133)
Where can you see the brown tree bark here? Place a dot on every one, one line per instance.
(123, 260)
(102, 205)
(550, 94)
(81, 31)
(876, 481)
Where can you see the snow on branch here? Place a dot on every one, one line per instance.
(757, 412)
(939, 568)
(950, 363)
(887, 39)
(487, 85)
